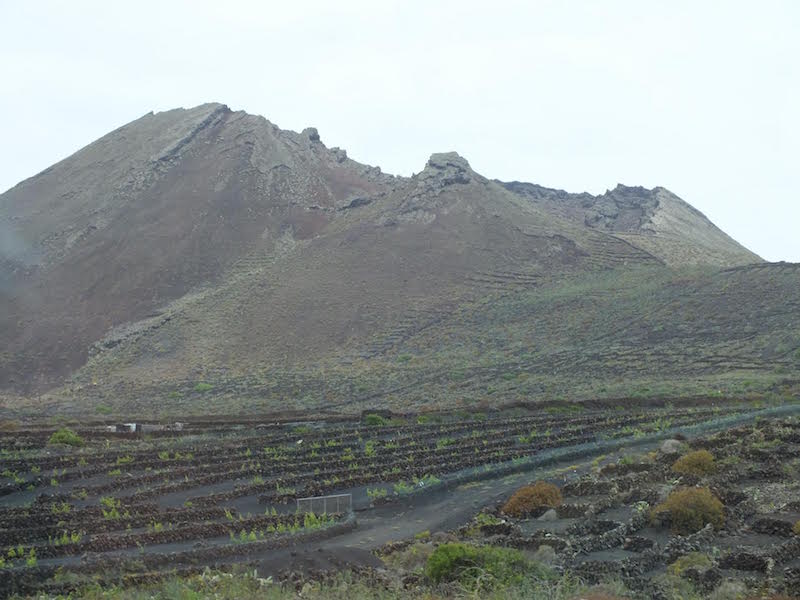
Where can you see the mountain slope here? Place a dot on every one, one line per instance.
(206, 245)
(146, 214)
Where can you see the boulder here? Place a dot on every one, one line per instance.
(671, 447)
(311, 133)
(550, 515)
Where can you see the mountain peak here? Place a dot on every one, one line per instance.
(443, 160)
(447, 168)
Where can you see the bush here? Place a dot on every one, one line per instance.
(8, 425)
(377, 493)
(411, 558)
(532, 498)
(796, 528)
(203, 387)
(729, 590)
(66, 436)
(690, 509)
(374, 420)
(672, 587)
(699, 463)
(480, 566)
(693, 560)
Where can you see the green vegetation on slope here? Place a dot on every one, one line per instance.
(637, 332)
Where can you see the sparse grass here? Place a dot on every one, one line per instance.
(247, 585)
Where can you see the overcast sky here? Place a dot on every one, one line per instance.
(700, 97)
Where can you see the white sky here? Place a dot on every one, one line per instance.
(701, 97)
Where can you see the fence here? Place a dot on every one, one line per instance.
(323, 505)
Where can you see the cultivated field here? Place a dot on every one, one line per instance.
(714, 517)
(84, 504)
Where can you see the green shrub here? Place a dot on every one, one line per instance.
(374, 420)
(699, 463)
(531, 498)
(402, 487)
(426, 480)
(412, 558)
(369, 449)
(483, 518)
(796, 528)
(690, 509)
(693, 560)
(202, 386)
(111, 508)
(444, 443)
(480, 566)
(66, 436)
(377, 493)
